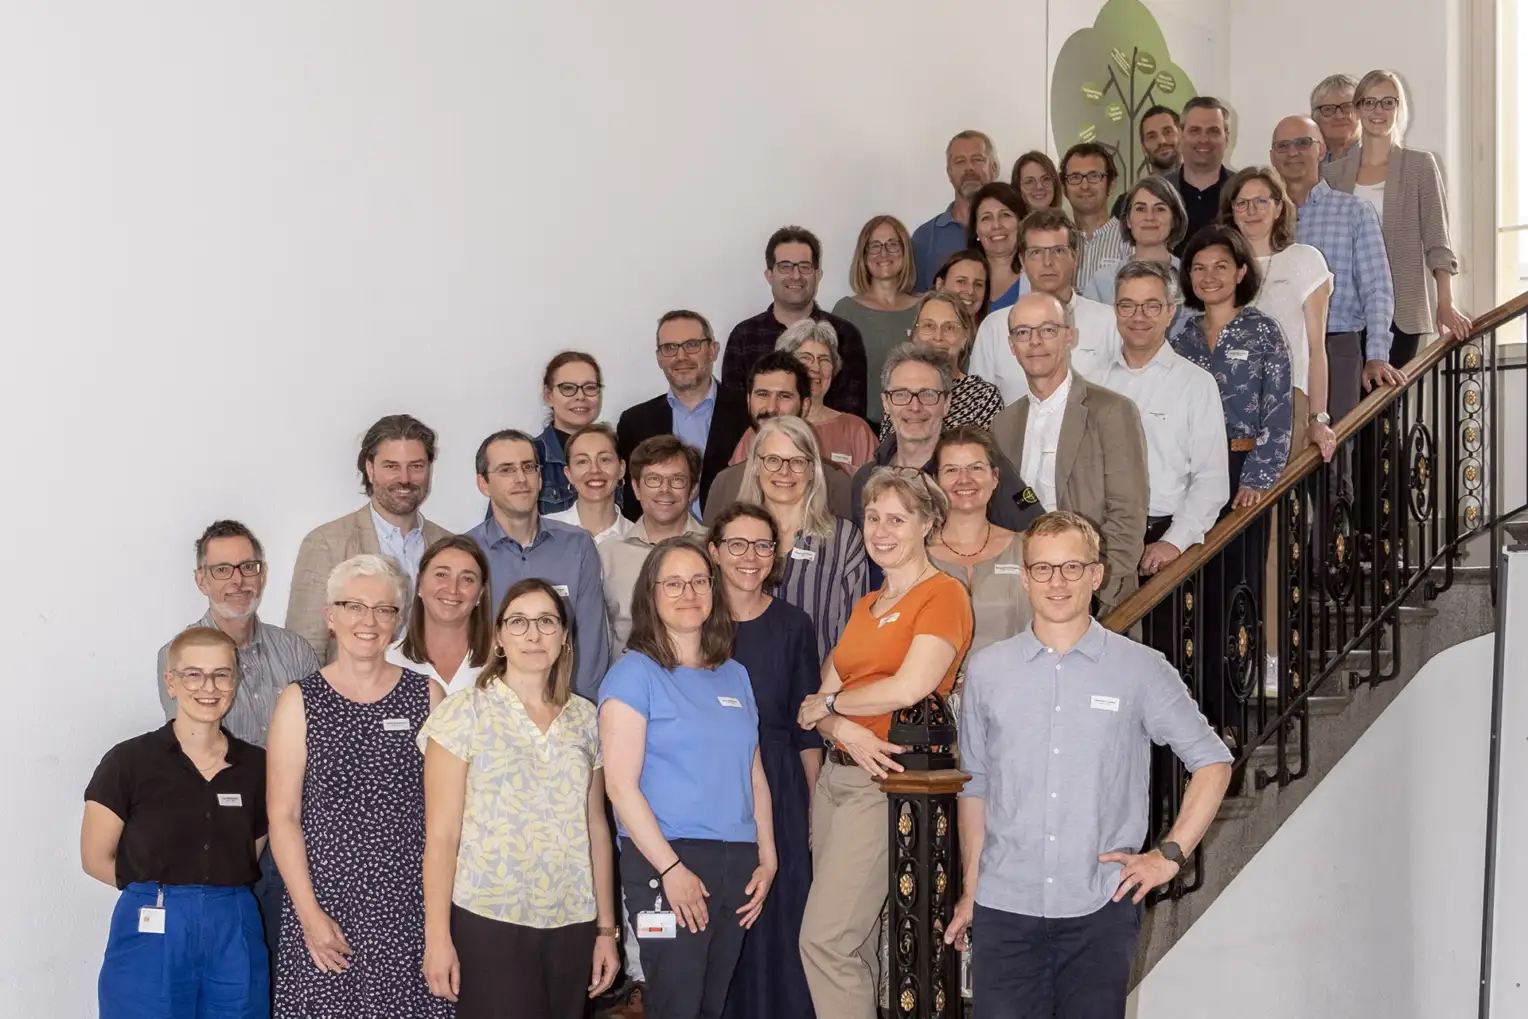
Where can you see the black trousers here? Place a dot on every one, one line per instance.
(1403, 346)
(1031, 967)
(515, 972)
(688, 974)
(1345, 380)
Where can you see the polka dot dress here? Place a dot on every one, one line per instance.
(363, 822)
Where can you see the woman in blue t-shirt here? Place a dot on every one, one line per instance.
(680, 734)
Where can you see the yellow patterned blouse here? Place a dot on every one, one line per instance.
(524, 855)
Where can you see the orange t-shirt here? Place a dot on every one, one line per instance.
(873, 648)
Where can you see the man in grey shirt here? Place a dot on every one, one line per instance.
(1056, 728)
(230, 571)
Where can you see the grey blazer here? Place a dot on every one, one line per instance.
(1100, 473)
(1415, 225)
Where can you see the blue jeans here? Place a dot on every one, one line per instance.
(1031, 967)
(269, 891)
(210, 962)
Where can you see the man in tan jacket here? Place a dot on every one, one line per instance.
(1079, 445)
(396, 459)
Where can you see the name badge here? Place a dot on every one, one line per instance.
(1237, 355)
(654, 925)
(230, 800)
(803, 553)
(395, 725)
(841, 458)
(561, 589)
(888, 619)
(150, 920)
(1007, 569)
(1103, 703)
(729, 702)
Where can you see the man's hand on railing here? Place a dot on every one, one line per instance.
(1382, 373)
(1143, 872)
(1157, 555)
(1247, 497)
(1323, 438)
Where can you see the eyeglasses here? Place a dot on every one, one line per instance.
(1030, 183)
(574, 388)
(880, 248)
(1262, 203)
(1055, 251)
(739, 547)
(786, 268)
(814, 360)
(1289, 145)
(1045, 331)
(1129, 308)
(248, 568)
(518, 625)
(1332, 109)
(673, 482)
(671, 350)
(355, 611)
(1386, 103)
(674, 587)
(1073, 569)
(903, 397)
(979, 469)
(511, 470)
(947, 330)
(1092, 177)
(798, 464)
(195, 679)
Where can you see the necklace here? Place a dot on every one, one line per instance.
(887, 597)
(967, 555)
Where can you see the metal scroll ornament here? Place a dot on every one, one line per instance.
(927, 729)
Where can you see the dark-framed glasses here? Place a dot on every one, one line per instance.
(903, 397)
(195, 679)
(671, 350)
(673, 482)
(738, 547)
(222, 571)
(785, 268)
(673, 587)
(518, 625)
(1328, 110)
(1372, 103)
(355, 611)
(571, 389)
(1129, 309)
(883, 248)
(773, 463)
(1262, 203)
(1072, 569)
(1091, 177)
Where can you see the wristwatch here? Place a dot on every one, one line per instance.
(1321, 418)
(828, 703)
(1171, 851)
(608, 932)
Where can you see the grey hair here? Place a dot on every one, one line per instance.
(920, 493)
(816, 519)
(1402, 107)
(807, 329)
(918, 353)
(1332, 83)
(1165, 193)
(367, 564)
(1137, 270)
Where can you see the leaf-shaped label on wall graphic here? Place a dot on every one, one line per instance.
(1123, 65)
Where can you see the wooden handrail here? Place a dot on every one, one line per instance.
(1134, 608)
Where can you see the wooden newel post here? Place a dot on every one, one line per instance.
(923, 981)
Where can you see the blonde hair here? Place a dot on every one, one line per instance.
(1402, 106)
(817, 520)
(918, 492)
(859, 269)
(368, 565)
(201, 636)
(1059, 522)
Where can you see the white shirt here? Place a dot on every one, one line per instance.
(1097, 344)
(1290, 277)
(619, 529)
(1042, 433)
(466, 673)
(1374, 194)
(1186, 461)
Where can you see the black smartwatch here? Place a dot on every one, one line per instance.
(1171, 851)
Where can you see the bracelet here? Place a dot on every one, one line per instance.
(607, 932)
(664, 872)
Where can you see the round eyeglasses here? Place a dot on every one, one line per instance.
(518, 625)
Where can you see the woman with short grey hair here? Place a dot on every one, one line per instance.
(845, 439)
(345, 794)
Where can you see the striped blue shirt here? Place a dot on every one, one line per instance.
(1346, 230)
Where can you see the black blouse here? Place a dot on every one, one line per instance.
(177, 827)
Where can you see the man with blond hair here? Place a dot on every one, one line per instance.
(970, 161)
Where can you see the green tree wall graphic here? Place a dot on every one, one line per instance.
(1106, 76)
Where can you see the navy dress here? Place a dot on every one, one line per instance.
(779, 650)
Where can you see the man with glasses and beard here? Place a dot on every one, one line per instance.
(230, 571)
(396, 459)
(793, 269)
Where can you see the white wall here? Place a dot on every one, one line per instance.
(1366, 904)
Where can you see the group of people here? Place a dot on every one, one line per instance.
(632, 720)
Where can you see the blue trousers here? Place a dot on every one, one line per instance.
(1028, 967)
(210, 962)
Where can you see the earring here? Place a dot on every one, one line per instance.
(498, 650)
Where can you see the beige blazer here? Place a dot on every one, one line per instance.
(1415, 225)
(325, 547)
(1100, 473)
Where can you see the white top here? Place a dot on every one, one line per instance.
(1042, 433)
(619, 529)
(1097, 344)
(466, 675)
(1290, 277)
(1186, 462)
(1374, 194)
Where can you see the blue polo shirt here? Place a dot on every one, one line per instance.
(702, 731)
(933, 242)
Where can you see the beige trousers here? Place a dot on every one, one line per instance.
(843, 910)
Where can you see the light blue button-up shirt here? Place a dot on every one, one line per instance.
(1346, 230)
(404, 549)
(693, 428)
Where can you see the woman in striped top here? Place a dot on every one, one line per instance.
(823, 570)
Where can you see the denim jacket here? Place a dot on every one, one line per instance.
(557, 493)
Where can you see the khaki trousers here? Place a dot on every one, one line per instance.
(843, 910)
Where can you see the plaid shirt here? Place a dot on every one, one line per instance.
(1346, 230)
(1250, 363)
(754, 337)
